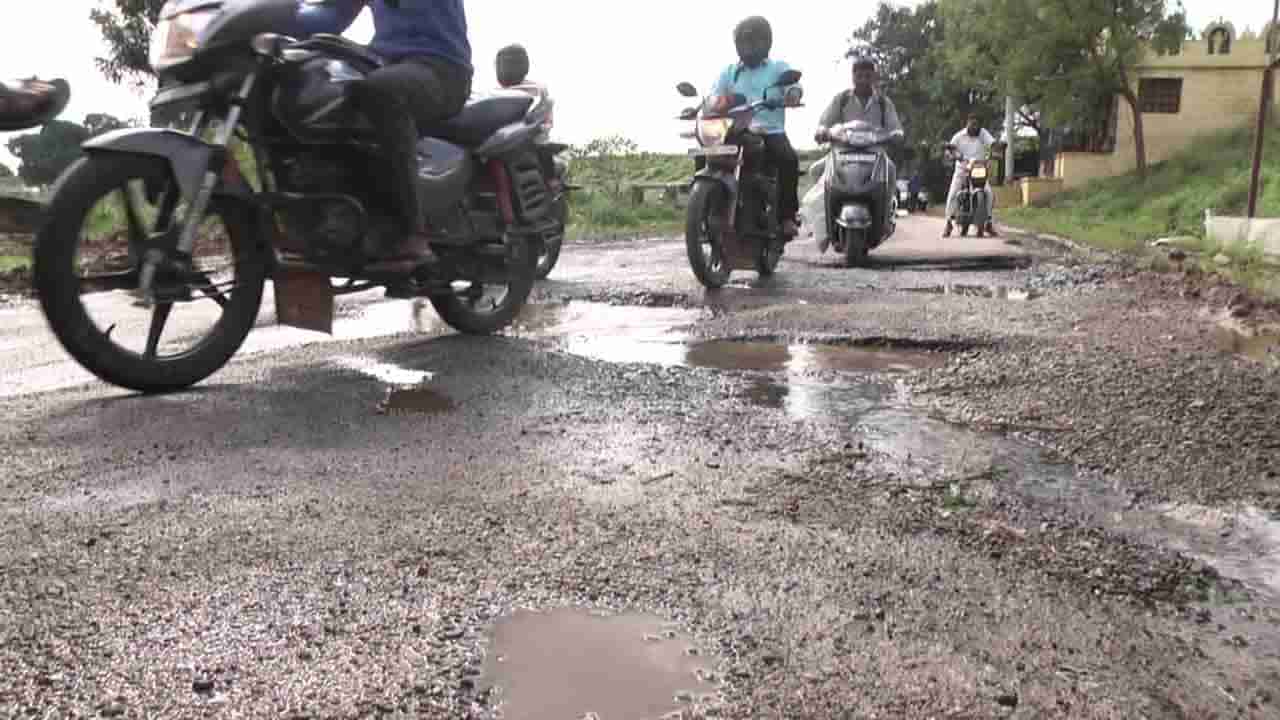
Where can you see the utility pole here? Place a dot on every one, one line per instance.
(1008, 137)
(1264, 105)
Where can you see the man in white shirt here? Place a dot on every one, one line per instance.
(973, 142)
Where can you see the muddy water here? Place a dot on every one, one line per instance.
(569, 664)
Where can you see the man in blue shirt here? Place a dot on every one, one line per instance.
(750, 76)
(427, 79)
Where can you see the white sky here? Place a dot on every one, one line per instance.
(612, 67)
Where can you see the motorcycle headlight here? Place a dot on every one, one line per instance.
(713, 131)
(177, 36)
(980, 172)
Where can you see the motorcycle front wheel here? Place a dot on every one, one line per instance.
(87, 270)
(855, 246)
(702, 240)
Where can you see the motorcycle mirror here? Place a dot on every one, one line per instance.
(31, 102)
(687, 89)
(688, 113)
(790, 77)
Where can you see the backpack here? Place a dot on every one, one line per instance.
(847, 95)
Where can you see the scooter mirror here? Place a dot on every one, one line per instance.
(687, 89)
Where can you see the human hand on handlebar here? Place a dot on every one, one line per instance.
(821, 135)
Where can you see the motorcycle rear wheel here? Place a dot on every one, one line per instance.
(58, 257)
(464, 308)
(551, 245)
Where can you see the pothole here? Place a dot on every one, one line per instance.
(995, 292)
(572, 664)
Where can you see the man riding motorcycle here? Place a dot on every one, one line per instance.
(861, 102)
(427, 79)
(751, 76)
(972, 142)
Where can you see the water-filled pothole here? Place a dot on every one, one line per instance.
(571, 663)
(995, 292)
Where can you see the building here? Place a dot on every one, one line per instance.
(1212, 84)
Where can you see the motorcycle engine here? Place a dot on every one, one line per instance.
(323, 223)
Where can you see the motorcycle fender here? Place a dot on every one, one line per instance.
(728, 181)
(854, 216)
(507, 139)
(189, 157)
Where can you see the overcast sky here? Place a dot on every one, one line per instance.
(617, 77)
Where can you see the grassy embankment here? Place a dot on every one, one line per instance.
(1124, 215)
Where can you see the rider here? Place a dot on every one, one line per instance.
(862, 102)
(972, 142)
(427, 79)
(750, 76)
(511, 65)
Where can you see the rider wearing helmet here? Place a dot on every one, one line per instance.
(427, 79)
(750, 76)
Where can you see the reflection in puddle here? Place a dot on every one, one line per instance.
(995, 292)
(409, 392)
(801, 359)
(568, 663)
(805, 400)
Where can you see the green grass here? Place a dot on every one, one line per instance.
(1124, 215)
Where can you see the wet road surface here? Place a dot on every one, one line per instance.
(642, 499)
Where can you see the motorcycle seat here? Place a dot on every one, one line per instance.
(481, 118)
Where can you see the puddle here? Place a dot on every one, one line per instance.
(1243, 543)
(569, 664)
(995, 292)
(409, 391)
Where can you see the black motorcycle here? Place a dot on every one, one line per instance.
(302, 201)
(859, 189)
(732, 219)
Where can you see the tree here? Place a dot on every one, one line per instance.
(1069, 57)
(99, 123)
(44, 155)
(126, 26)
(932, 100)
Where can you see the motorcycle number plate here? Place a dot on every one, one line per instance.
(715, 150)
(861, 157)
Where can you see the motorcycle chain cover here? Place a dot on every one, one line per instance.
(304, 299)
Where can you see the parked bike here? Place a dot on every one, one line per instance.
(302, 205)
(732, 220)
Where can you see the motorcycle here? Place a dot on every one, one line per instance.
(315, 213)
(25, 104)
(972, 206)
(732, 222)
(555, 168)
(904, 195)
(859, 177)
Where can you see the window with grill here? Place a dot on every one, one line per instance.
(1160, 95)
